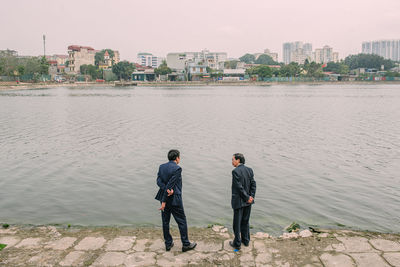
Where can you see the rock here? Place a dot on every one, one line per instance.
(369, 259)
(224, 230)
(305, 233)
(140, 245)
(90, 243)
(62, 244)
(217, 228)
(336, 260)
(323, 235)
(261, 235)
(385, 245)
(121, 243)
(224, 235)
(290, 235)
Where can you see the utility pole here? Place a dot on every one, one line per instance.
(44, 45)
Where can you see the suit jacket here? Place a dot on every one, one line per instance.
(243, 186)
(170, 177)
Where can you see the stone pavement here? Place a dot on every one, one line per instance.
(51, 246)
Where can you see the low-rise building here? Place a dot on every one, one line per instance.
(148, 60)
(78, 56)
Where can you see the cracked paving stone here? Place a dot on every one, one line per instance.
(110, 259)
(90, 243)
(29, 243)
(9, 241)
(335, 247)
(336, 260)
(158, 245)
(208, 246)
(122, 243)
(263, 258)
(74, 258)
(356, 244)
(247, 260)
(260, 246)
(45, 258)
(368, 259)
(392, 258)
(140, 245)
(385, 245)
(62, 244)
(140, 259)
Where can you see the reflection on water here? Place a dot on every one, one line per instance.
(322, 155)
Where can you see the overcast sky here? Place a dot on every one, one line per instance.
(163, 26)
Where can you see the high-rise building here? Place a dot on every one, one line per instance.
(148, 60)
(296, 52)
(274, 56)
(325, 55)
(389, 49)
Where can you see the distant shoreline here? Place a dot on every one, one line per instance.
(25, 86)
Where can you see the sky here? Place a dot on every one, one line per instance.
(163, 26)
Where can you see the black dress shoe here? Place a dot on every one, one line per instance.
(246, 244)
(233, 245)
(189, 247)
(168, 248)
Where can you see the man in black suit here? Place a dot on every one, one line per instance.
(243, 193)
(169, 180)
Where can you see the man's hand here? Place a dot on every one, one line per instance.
(170, 192)
(162, 206)
(250, 200)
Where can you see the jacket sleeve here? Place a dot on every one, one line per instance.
(252, 185)
(238, 185)
(172, 182)
(160, 183)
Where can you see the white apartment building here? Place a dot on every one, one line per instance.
(148, 60)
(296, 52)
(325, 55)
(78, 56)
(179, 61)
(389, 49)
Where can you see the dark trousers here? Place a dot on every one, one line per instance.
(180, 218)
(241, 226)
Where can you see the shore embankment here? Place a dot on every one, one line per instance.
(23, 86)
(126, 246)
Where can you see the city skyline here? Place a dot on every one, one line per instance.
(162, 27)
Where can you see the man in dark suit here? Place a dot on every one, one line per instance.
(243, 193)
(169, 180)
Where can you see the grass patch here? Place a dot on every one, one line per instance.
(2, 246)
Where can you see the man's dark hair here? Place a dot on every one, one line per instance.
(240, 157)
(173, 154)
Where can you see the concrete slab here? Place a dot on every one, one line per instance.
(260, 247)
(208, 246)
(74, 258)
(368, 260)
(10, 241)
(140, 259)
(90, 243)
(247, 260)
(29, 243)
(45, 258)
(335, 247)
(263, 258)
(336, 260)
(140, 245)
(261, 235)
(393, 258)
(158, 245)
(122, 243)
(62, 244)
(356, 244)
(110, 259)
(385, 245)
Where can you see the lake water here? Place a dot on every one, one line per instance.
(326, 155)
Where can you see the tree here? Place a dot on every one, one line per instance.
(265, 60)
(231, 64)
(248, 58)
(313, 69)
(123, 70)
(337, 67)
(368, 61)
(91, 70)
(163, 69)
(99, 56)
(290, 70)
(44, 66)
(263, 71)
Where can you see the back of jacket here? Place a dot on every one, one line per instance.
(243, 186)
(169, 177)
